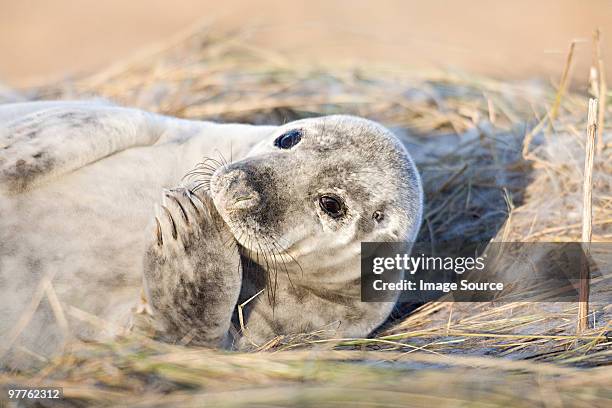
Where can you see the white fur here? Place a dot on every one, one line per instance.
(66, 225)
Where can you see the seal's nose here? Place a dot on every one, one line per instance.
(233, 191)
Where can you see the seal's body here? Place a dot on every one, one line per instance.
(78, 230)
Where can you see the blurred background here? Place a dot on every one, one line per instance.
(46, 40)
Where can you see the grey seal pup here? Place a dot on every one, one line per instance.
(94, 205)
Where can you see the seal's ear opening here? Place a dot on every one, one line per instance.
(391, 226)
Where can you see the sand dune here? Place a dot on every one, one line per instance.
(508, 39)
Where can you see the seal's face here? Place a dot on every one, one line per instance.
(319, 185)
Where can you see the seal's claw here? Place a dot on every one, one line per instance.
(177, 212)
(166, 225)
(188, 207)
(196, 202)
(184, 220)
(191, 215)
(158, 232)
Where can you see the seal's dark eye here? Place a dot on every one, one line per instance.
(332, 206)
(288, 139)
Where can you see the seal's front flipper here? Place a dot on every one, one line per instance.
(192, 271)
(62, 137)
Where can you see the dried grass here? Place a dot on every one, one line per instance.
(467, 134)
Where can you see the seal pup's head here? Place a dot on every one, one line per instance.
(320, 187)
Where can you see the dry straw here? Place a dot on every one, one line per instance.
(587, 214)
(599, 87)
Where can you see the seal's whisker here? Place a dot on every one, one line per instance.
(209, 171)
(278, 251)
(200, 182)
(256, 255)
(274, 262)
(208, 168)
(212, 160)
(202, 169)
(285, 252)
(200, 185)
(271, 273)
(198, 179)
(222, 158)
(267, 269)
(208, 158)
(272, 281)
(274, 284)
(202, 173)
(245, 260)
(192, 174)
(265, 259)
(206, 165)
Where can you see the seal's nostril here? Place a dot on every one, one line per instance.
(239, 199)
(241, 202)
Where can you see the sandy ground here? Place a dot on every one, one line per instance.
(510, 39)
